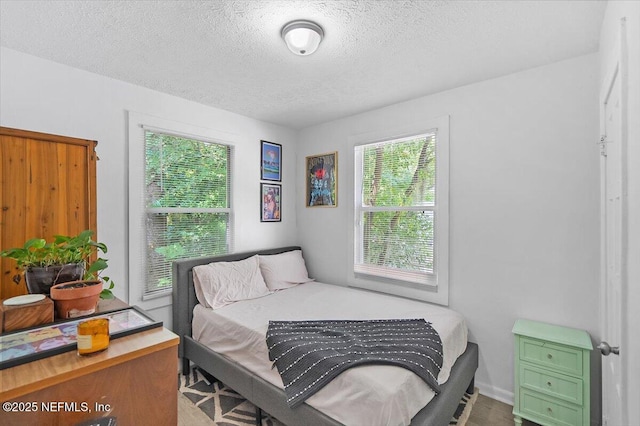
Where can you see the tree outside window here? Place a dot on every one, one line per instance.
(395, 208)
(187, 204)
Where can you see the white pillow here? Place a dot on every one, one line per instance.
(284, 270)
(221, 283)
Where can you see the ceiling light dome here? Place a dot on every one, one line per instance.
(302, 37)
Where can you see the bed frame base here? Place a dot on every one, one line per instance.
(272, 400)
(256, 390)
(268, 397)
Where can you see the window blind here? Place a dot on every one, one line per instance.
(396, 208)
(187, 203)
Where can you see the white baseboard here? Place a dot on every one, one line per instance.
(496, 393)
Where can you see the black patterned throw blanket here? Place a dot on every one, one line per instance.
(309, 354)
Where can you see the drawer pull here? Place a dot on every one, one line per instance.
(549, 356)
(549, 384)
(549, 410)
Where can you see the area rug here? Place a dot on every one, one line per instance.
(227, 408)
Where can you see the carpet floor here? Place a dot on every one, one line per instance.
(202, 402)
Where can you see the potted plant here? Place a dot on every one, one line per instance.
(76, 298)
(65, 259)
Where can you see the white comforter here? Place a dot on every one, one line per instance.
(365, 395)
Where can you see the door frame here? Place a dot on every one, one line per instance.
(616, 68)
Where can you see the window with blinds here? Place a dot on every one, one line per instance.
(187, 204)
(396, 209)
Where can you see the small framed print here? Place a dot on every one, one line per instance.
(270, 202)
(270, 161)
(322, 180)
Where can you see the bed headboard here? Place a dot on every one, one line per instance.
(184, 294)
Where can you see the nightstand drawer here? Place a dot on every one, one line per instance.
(546, 410)
(560, 358)
(553, 384)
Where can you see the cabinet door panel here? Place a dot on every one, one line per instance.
(48, 187)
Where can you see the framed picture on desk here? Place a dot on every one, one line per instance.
(39, 342)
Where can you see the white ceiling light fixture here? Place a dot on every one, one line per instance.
(302, 37)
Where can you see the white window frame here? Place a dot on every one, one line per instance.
(138, 124)
(436, 289)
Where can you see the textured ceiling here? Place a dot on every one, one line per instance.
(229, 54)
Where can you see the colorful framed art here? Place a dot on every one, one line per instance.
(270, 161)
(322, 180)
(28, 345)
(271, 202)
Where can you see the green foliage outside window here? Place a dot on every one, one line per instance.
(398, 191)
(187, 202)
(185, 173)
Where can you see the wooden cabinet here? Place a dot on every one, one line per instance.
(47, 187)
(552, 374)
(135, 381)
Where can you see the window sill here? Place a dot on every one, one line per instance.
(155, 301)
(423, 292)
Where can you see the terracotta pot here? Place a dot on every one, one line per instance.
(40, 279)
(76, 298)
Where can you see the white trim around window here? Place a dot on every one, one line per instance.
(138, 123)
(431, 285)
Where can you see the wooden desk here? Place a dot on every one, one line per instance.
(135, 381)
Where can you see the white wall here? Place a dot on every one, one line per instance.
(523, 203)
(44, 96)
(524, 185)
(630, 10)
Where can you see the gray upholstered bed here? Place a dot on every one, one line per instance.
(265, 395)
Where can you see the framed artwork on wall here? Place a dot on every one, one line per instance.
(270, 161)
(322, 180)
(270, 202)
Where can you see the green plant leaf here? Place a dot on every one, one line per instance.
(106, 294)
(35, 243)
(96, 266)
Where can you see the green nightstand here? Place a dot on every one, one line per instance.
(552, 374)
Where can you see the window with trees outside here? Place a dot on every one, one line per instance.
(187, 203)
(398, 207)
